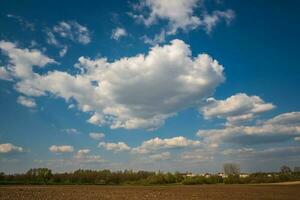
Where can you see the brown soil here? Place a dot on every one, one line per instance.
(212, 192)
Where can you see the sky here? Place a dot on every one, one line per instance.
(183, 85)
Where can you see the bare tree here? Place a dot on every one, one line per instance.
(231, 169)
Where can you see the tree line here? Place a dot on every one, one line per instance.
(127, 177)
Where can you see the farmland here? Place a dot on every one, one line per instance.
(177, 192)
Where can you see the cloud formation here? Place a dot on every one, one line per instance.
(97, 136)
(168, 79)
(278, 129)
(61, 149)
(179, 14)
(10, 148)
(237, 108)
(116, 147)
(73, 31)
(118, 32)
(27, 102)
(156, 144)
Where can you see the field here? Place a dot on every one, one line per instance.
(213, 192)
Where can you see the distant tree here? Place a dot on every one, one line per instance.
(40, 175)
(296, 169)
(285, 169)
(231, 169)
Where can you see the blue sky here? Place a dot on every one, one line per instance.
(149, 84)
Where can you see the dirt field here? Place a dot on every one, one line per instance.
(214, 192)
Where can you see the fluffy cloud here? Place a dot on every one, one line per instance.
(97, 136)
(116, 147)
(160, 156)
(118, 32)
(61, 149)
(156, 144)
(239, 107)
(70, 30)
(280, 128)
(167, 80)
(22, 60)
(292, 118)
(74, 31)
(179, 14)
(209, 21)
(10, 148)
(27, 102)
(4, 74)
(82, 152)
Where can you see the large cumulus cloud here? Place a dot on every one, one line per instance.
(132, 92)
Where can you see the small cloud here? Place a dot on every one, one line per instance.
(61, 149)
(74, 31)
(71, 106)
(10, 148)
(27, 102)
(158, 38)
(118, 32)
(116, 147)
(97, 136)
(167, 143)
(63, 51)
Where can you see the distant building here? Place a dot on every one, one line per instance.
(190, 174)
(243, 175)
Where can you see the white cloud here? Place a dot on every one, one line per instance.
(4, 74)
(61, 149)
(179, 14)
(97, 136)
(63, 51)
(156, 144)
(74, 31)
(160, 156)
(27, 102)
(118, 32)
(158, 38)
(167, 80)
(116, 147)
(239, 107)
(291, 118)
(209, 21)
(51, 39)
(22, 60)
(266, 132)
(83, 152)
(10, 148)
